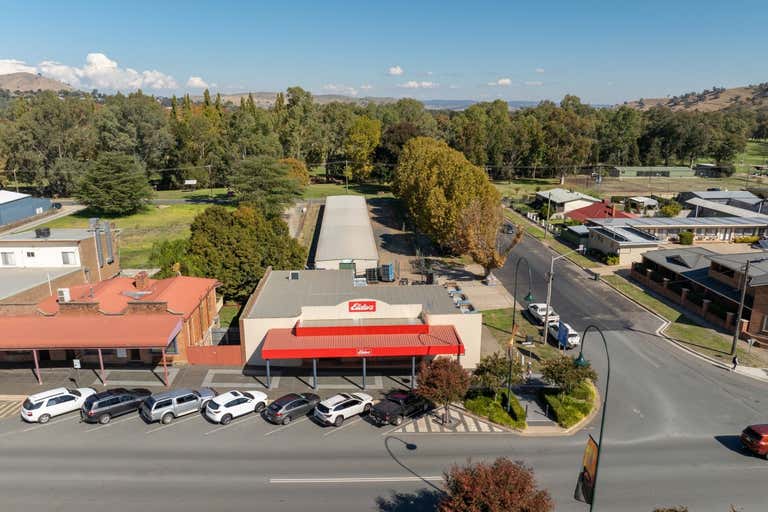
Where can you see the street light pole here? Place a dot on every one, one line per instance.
(741, 305)
(550, 276)
(528, 298)
(549, 214)
(580, 361)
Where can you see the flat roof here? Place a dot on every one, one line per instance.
(6, 196)
(731, 211)
(683, 222)
(63, 234)
(651, 168)
(561, 195)
(14, 280)
(744, 196)
(626, 235)
(644, 200)
(281, 297)
(346, 232)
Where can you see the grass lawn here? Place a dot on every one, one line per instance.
(499, 321)
(320, 190)
(756, 153)
(230, 315)
(140, 230)
(524, 187)
(685, 330)
(203, 193)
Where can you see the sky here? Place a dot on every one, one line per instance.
(604, 52)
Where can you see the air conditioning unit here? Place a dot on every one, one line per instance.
(294, 275)
(63, 295)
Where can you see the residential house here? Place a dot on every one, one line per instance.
(562, 201)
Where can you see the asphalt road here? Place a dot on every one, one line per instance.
(670, 440)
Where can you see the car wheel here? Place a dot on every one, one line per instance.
(226, 419)
(286, 420)
(339, 420)
(167, 418)
(260, 407)
(104, 419)
(44, 418)
(398, 421)
(367, 409)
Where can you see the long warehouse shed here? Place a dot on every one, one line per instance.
(346, 237)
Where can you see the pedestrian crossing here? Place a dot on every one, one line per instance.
(463, 423)
(9, 408)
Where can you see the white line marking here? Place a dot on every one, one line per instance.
(345, 425)
(152, 382)
(172, 424)
(208, 381)
(287, 426)
(234, 423)
(52, 422)
(113, 422)
(355, 480)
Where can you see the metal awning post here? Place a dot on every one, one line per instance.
(37, 366)
(314, 374)
(101, 365)
(413, 371)
(363, 374)
(165, 369)
(269, 377)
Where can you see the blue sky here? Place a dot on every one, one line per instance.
(604, 52)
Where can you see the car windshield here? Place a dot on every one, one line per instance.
(30, 405)
(751, 433)
(150, 402)
(213, 405)
(74, 392)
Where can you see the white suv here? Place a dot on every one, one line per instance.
(336, 409)
(41, 407)
(232, 404)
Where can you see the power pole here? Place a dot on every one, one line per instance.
(741, 309)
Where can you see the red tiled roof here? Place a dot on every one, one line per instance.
(182, 293)
(603, 210)
(88, 331)
(284, 344)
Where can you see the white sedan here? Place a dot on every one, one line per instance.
(573, 338)
(41, 407)
(336, 409)
(227, 406)
(539, 310)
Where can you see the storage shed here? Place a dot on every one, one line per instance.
(15, 206)
(346, 237)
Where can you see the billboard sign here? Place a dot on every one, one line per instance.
(585, 487)
(362, 306)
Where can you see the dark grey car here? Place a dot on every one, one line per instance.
(291, 406)
(168, 405)
(104, 406)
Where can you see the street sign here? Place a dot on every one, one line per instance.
(562, 335)
(76, 364)
(585, 486)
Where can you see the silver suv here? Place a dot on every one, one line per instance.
(167, 406)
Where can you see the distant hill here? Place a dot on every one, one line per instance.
(753, 97)
(29, 82)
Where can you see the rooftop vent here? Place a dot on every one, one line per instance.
(294, 275)
(62, 294)
(42, 232)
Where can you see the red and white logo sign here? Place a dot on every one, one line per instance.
(363, 352)
(362, 306)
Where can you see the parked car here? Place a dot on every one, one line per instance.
(755, 439)
(336, 409)
(225, 407)
(104, 406)
(41, 407)
(288, 407)
(573, 338)
(538, 312)
(398, 405)
(167, 406)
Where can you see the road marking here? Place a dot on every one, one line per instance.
(355, 480)
(52, 422)
(208, 381)
(8, 409)
(153, 382)
(172, 424)
(292, 423)
(345, 425)
(113, 422)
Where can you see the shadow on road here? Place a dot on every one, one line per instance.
(410, 447)
(733, 443)
(423, 499)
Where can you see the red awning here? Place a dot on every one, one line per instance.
(284, 344)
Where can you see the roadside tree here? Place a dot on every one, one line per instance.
(114, 184)
(563, 373)
(492, 371)
(264, 183)
(363, 137)
(498, 486)
(443, 381)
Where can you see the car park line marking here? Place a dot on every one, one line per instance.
(345, 425)
(233, 423)
(208, 381)
(172, 424)
(113, 422)
(287, 426)
(172, 372)
(355, 480)
(52, 422)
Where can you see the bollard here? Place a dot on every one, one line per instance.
(526, 411)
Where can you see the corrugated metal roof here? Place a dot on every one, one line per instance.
(561, 195)
(682, 222)
(6, 196)
(731, 211)
(15, 280)
(741, 195)
(346, 232)
(282, 297)
(657, 168)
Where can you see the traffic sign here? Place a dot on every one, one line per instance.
(76, 364)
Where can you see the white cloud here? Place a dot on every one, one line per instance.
(340, 89)
(534, 83)
(99, 72)
(454, 86)
(539, 70)
(366, 87)
(395, 71)
(429, 73)
(196, 82)
(8, 66)
(413, 84)
(501, 82)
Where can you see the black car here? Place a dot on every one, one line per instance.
(290, 406)
(102, 407)
(398, 405)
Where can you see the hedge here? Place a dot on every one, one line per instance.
(569, 409)
(746, 239)
(686, 237)
(495, 410)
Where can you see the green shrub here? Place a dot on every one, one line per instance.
(569, 409)
(487, 407)
(746, 239)
(612, 259)
(686, 237)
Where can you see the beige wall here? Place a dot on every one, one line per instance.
(575, 205)
(469, 328)
(383, 310)
(253, 331)
(629, 255)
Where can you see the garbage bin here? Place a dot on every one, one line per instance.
(595, 276)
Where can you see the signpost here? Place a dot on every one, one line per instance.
(76, 366)
(585, 486)
(562, 335)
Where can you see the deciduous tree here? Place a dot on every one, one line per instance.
(564, 373)
(363, 137)
(493, 370)
(443, 381)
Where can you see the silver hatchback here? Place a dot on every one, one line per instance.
(165, 407)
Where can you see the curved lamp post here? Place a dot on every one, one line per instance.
(527, 298)
(581, 362)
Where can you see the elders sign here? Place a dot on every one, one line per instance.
(362, 306)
